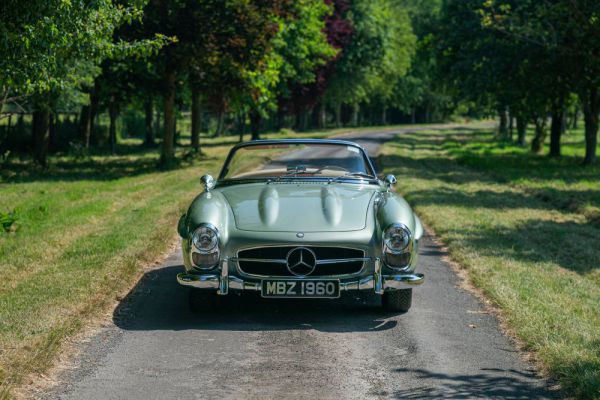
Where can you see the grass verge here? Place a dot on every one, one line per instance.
(526, 228)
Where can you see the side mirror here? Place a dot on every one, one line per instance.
(390, 180)
(208, 182)
(181, 227)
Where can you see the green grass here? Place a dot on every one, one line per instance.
(526, 228)
(84, 227)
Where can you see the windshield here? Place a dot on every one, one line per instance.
(283, 160)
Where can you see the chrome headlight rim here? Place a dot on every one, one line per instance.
(213, 249)
(407, 247)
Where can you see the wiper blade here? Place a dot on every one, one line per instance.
(353, 175)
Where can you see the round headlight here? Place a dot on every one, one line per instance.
(205, 239)
(397, 238)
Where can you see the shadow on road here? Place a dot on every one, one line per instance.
(491, 383)
(159, 303)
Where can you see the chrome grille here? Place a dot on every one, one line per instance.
(271, 261)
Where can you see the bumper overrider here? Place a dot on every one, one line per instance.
(376, 282)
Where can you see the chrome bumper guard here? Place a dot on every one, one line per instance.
(223, 282)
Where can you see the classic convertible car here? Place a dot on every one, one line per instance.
(301, 218)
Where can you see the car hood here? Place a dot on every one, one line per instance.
(299, 207)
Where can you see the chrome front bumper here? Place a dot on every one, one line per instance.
(223, 282)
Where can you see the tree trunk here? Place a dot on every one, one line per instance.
(413, 115)
(92, 117)
(40, 123)
(338, 115)
(52, 137)
(220, 123)
(84, 125)
(556, 130)
(591, 109)
(384, 115)
(157, 125)
(521, 130)
(575, 118)
(20, 125)
(537, 144)
(242, 125)
(196, 120)
(176, 132)
(113, 113)
(149, 119)
(255, 125)
(322, 119)
(511, 125)
(355, 112)
(503, 127)
(167, 155)
(301, 120)
(280, 118)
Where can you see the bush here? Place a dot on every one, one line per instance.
(7, 221)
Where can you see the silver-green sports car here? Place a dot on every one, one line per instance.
(300, 218)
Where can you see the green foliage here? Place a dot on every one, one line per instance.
(8, 220)
(51, 45)
(379, 54)
(423, 89)
(298, 50)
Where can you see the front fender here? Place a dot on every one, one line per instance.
(208, 207)
(394, 209)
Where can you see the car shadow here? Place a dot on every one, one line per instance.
(157, 302)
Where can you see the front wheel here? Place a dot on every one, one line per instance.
(397, 300)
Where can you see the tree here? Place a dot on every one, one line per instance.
(217, 41)
(568, 30)
(302, 48)
(298, 50)
(52, 46)
(378, 54)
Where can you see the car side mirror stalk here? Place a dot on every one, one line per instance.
(390, 180)
(208, 182)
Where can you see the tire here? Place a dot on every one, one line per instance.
(397, 300)
(202, 300)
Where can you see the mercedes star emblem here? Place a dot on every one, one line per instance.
(301, 261)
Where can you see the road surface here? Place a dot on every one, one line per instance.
(446, 346)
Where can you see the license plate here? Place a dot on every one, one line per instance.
(329, 289)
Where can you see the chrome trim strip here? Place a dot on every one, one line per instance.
(260, 260)
(198, 281)
(377, 277)
(388, 282)
(224, 280)
(401, 281)
(319, 262)
(342, 260)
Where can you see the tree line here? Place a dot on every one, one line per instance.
(256, 65)
(528, 59)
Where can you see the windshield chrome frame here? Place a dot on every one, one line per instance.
(235, 148)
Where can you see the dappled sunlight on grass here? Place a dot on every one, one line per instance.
(524, 227)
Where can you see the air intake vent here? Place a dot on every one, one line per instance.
(271, 261)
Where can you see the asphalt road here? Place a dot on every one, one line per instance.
(446, 346)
